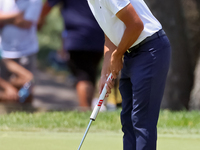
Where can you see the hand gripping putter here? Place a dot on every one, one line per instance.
(96, 109)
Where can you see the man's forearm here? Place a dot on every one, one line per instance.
(16, 19)
(45, 10)
(108, 50)
(7, 18)
(134, 27)
(106, 62)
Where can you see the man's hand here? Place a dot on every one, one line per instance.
(103, 81)
(20, 22)
(116, 64)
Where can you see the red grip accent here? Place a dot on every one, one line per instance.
(111, 77)
(100, 103)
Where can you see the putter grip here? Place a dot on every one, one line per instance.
(100, 101)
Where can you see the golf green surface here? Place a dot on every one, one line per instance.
(94, 141)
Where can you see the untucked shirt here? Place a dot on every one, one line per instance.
(17, 42)
(105, 13)
(83, 31)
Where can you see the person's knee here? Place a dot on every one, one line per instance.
(126, 121)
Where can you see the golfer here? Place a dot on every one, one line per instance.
(137, 46)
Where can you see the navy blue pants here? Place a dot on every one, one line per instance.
(142, 85)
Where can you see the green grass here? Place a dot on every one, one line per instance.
(64, 131)
(58, 121)
(93, 141)
(58, 141)
(169, 122)
(179, 122)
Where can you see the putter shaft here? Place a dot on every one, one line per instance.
(88, 127)
(96, 109)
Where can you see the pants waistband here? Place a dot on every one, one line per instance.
(152, 37)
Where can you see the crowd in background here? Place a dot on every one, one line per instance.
(82, 47)
(19, 46)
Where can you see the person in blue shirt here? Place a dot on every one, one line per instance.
(84, 43)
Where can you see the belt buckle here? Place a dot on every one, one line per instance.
(129, 51)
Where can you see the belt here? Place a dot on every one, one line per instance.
(152, 37)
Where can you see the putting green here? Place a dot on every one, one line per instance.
(93, 141)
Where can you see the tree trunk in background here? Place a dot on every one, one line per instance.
(195, 94)
(192, 19)
(180, 77)
(192, 15)
(198, 4)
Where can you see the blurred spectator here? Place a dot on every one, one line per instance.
(10, 86)
(19, 36)
(7, 91)
(58, 58)
(84, 43)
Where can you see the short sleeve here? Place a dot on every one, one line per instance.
(1, 4)
(33, 11)
(53, 2)
(116, 5)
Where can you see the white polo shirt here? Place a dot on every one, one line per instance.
(105, 14)
(17, 42)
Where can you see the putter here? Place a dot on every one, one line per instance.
(96, 109)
